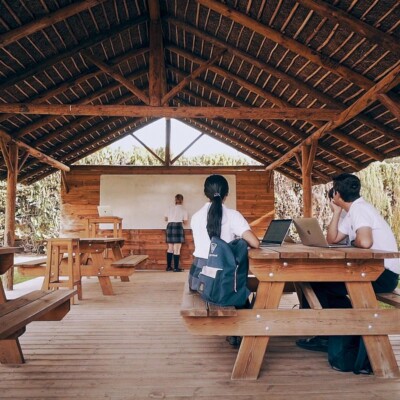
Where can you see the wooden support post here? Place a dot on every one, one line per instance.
(167, 142)
(308, 155)
(10, 152)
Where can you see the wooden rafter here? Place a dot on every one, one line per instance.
(390, 104)
(47, 20)
(298, 84)
(282, 104)
(344, 19)
(263, 141)
(118, 77)
(289, 43)
(384, 85)
(33, 152)
(199, 70)
(69, 53)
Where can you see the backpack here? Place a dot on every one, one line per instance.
(348, 353)
(223, 281)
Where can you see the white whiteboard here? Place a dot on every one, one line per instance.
(142, 200)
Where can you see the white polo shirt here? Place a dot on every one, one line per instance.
(363, 214)
(176, 213)
(233, 226)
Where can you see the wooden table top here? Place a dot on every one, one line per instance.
(9, 250)
(301, 251)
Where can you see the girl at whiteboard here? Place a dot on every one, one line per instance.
(176, 216)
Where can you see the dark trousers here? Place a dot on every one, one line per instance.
(334, 294)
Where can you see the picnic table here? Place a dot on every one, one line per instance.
(99, 257)
(275, 267)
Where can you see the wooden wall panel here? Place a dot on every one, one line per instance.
(255, 200)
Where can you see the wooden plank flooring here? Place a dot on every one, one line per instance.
(134, 346)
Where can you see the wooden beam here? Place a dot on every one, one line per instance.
(118, 77)
(48, 20)
(262, 141)
(187, 147)
(308, 154)
(281, 104)
(298, 85)
(303, 114)
(148, 149)
(32, 70)
(347, 21)
(33, 152)
(9, 225)
(157, 75)
(167, 142)
(383, 86)
(390, 104)
(289, 43)
(199, 70)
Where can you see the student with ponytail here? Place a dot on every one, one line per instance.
(215, 219)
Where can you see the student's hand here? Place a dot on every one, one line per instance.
(334, 207)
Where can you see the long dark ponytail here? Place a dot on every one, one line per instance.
(216, 188)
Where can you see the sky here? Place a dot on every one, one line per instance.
(182, 135)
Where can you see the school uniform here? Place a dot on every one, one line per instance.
(174, 232)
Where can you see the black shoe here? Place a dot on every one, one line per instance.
(178, 269)
(168, 269)
(315, 343)
(234, 341)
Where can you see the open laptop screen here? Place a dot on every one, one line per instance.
(277, 231)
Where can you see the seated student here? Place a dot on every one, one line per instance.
(215, 219)
(366, 229)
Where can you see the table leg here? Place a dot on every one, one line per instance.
(379, 348)
(105, 281)
(252, 349)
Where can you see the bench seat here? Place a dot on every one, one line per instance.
(130, 261)
(39, 305)
(194, 306)
(392, 298)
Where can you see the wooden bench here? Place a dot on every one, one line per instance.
(194, 306)
(15, 314)
(130, 261)
(392, 298)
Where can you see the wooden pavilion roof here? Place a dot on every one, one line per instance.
(264, 77)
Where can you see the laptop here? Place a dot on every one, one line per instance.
(105, 211)
(276, 233)
(311, 233)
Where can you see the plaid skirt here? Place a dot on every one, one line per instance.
(174, 233)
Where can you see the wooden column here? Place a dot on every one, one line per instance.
(10, 154)
(167, 142)
(307, 159)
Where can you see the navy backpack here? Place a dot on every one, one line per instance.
(223, 281)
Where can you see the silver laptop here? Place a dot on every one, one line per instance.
(105, 211)
(276, 233)
(311, 233)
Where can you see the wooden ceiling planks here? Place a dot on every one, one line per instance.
(244, 56)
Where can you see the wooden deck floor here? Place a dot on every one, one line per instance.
(134, 346)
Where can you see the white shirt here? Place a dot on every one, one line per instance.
(233, 225)
(363, 214)
(176, 213)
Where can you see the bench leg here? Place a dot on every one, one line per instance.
(124, 278)
(11, 352)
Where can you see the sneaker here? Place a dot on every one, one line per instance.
(315, 343)
(178, 269)
(168, 269)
